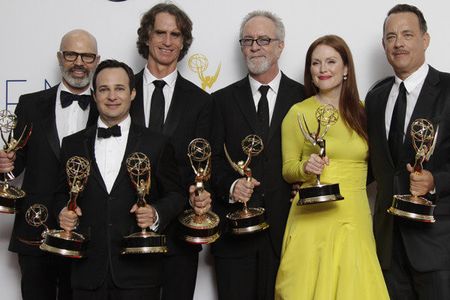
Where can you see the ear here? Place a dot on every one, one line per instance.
(382, 43)
(133, 94)
(426, 40)
(59, 57)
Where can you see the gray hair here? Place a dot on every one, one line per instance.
(263, 13)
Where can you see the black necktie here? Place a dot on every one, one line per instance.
(67, 99)
(108, 132)
(157, 107)
(396, 131)
(263, 110)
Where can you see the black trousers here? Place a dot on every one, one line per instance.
(405, 283)
(45, 277)
(250, 277)
(180, 275)
(109, 291)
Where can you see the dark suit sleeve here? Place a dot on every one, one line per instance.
(171, 201)
(441, 174)
(22, 121)
(223, 175)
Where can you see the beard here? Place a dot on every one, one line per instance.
(76, 82)
(258, 66)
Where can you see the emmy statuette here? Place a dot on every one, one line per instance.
(143, 242)
(69, 243)
(415, 207)
(319, 192)
(199, 229)
(36, 216)
(248, 219)
(8, 193)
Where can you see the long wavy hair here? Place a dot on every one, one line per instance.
(351, 109)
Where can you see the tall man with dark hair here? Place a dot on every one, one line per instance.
(168, 103)
(53, 116)
(414, 256)
(246, 266)
(107, 206)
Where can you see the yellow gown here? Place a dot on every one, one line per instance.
(328, 249)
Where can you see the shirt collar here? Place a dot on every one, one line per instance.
(414, 79)
(124, 125)
(274, 84)
(169, 79)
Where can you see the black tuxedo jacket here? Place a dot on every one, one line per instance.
(189, 117)
(427, 245)
(40, 158)
(234, 118)
(106, 218)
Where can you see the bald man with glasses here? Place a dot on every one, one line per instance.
(53, 115)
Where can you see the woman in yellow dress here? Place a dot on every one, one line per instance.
(328, 248)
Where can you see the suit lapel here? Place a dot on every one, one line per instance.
(47, 108)
(243, 98)
(137, 106)
(282, 105)
(133, 142)
(177, 106)
(380, 122)
(89, 146)
(426, 107)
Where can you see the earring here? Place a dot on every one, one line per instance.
(345, 77)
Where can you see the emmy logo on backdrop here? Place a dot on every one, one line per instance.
(69, 243)
(143, 242)
(318, 192)
(204, 228)
(9, 193)
(198, 63)
(415, 207)
(248, 219)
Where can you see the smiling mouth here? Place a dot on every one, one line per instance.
(324, 77)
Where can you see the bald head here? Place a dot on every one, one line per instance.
(78, 59)
(79, 36)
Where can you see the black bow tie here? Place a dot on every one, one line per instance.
(67, 99)
(108, 132)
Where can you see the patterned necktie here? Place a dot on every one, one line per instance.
(157, 107)
(68, 98)
(108, 132)
(396, 130)
(263, 110)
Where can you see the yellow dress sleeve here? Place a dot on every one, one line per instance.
(292, 143)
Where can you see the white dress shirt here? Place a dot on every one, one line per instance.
(271, 98)
(271, 93)
(109, 155)
(413, 85)
(72, 118)
(149, 87)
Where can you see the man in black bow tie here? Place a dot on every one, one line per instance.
(107, 207)
(53, 117)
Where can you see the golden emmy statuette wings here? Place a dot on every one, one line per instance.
(36, 216)
(9, 193)
(204, 228)
(145, 241)
(318, 192)
(415, 207)
(68, 243)
(248, 219)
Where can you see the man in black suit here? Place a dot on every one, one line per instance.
(52, 116)
(168, 103)
(107, 209)
(246, 266)
(414, 256)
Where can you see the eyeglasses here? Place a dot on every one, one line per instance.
(263, 41)
(72, 56)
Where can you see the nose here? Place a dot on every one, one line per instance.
(323, 68)
(398, 42)
(255, 47)
(167, 39)
(78, 61)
